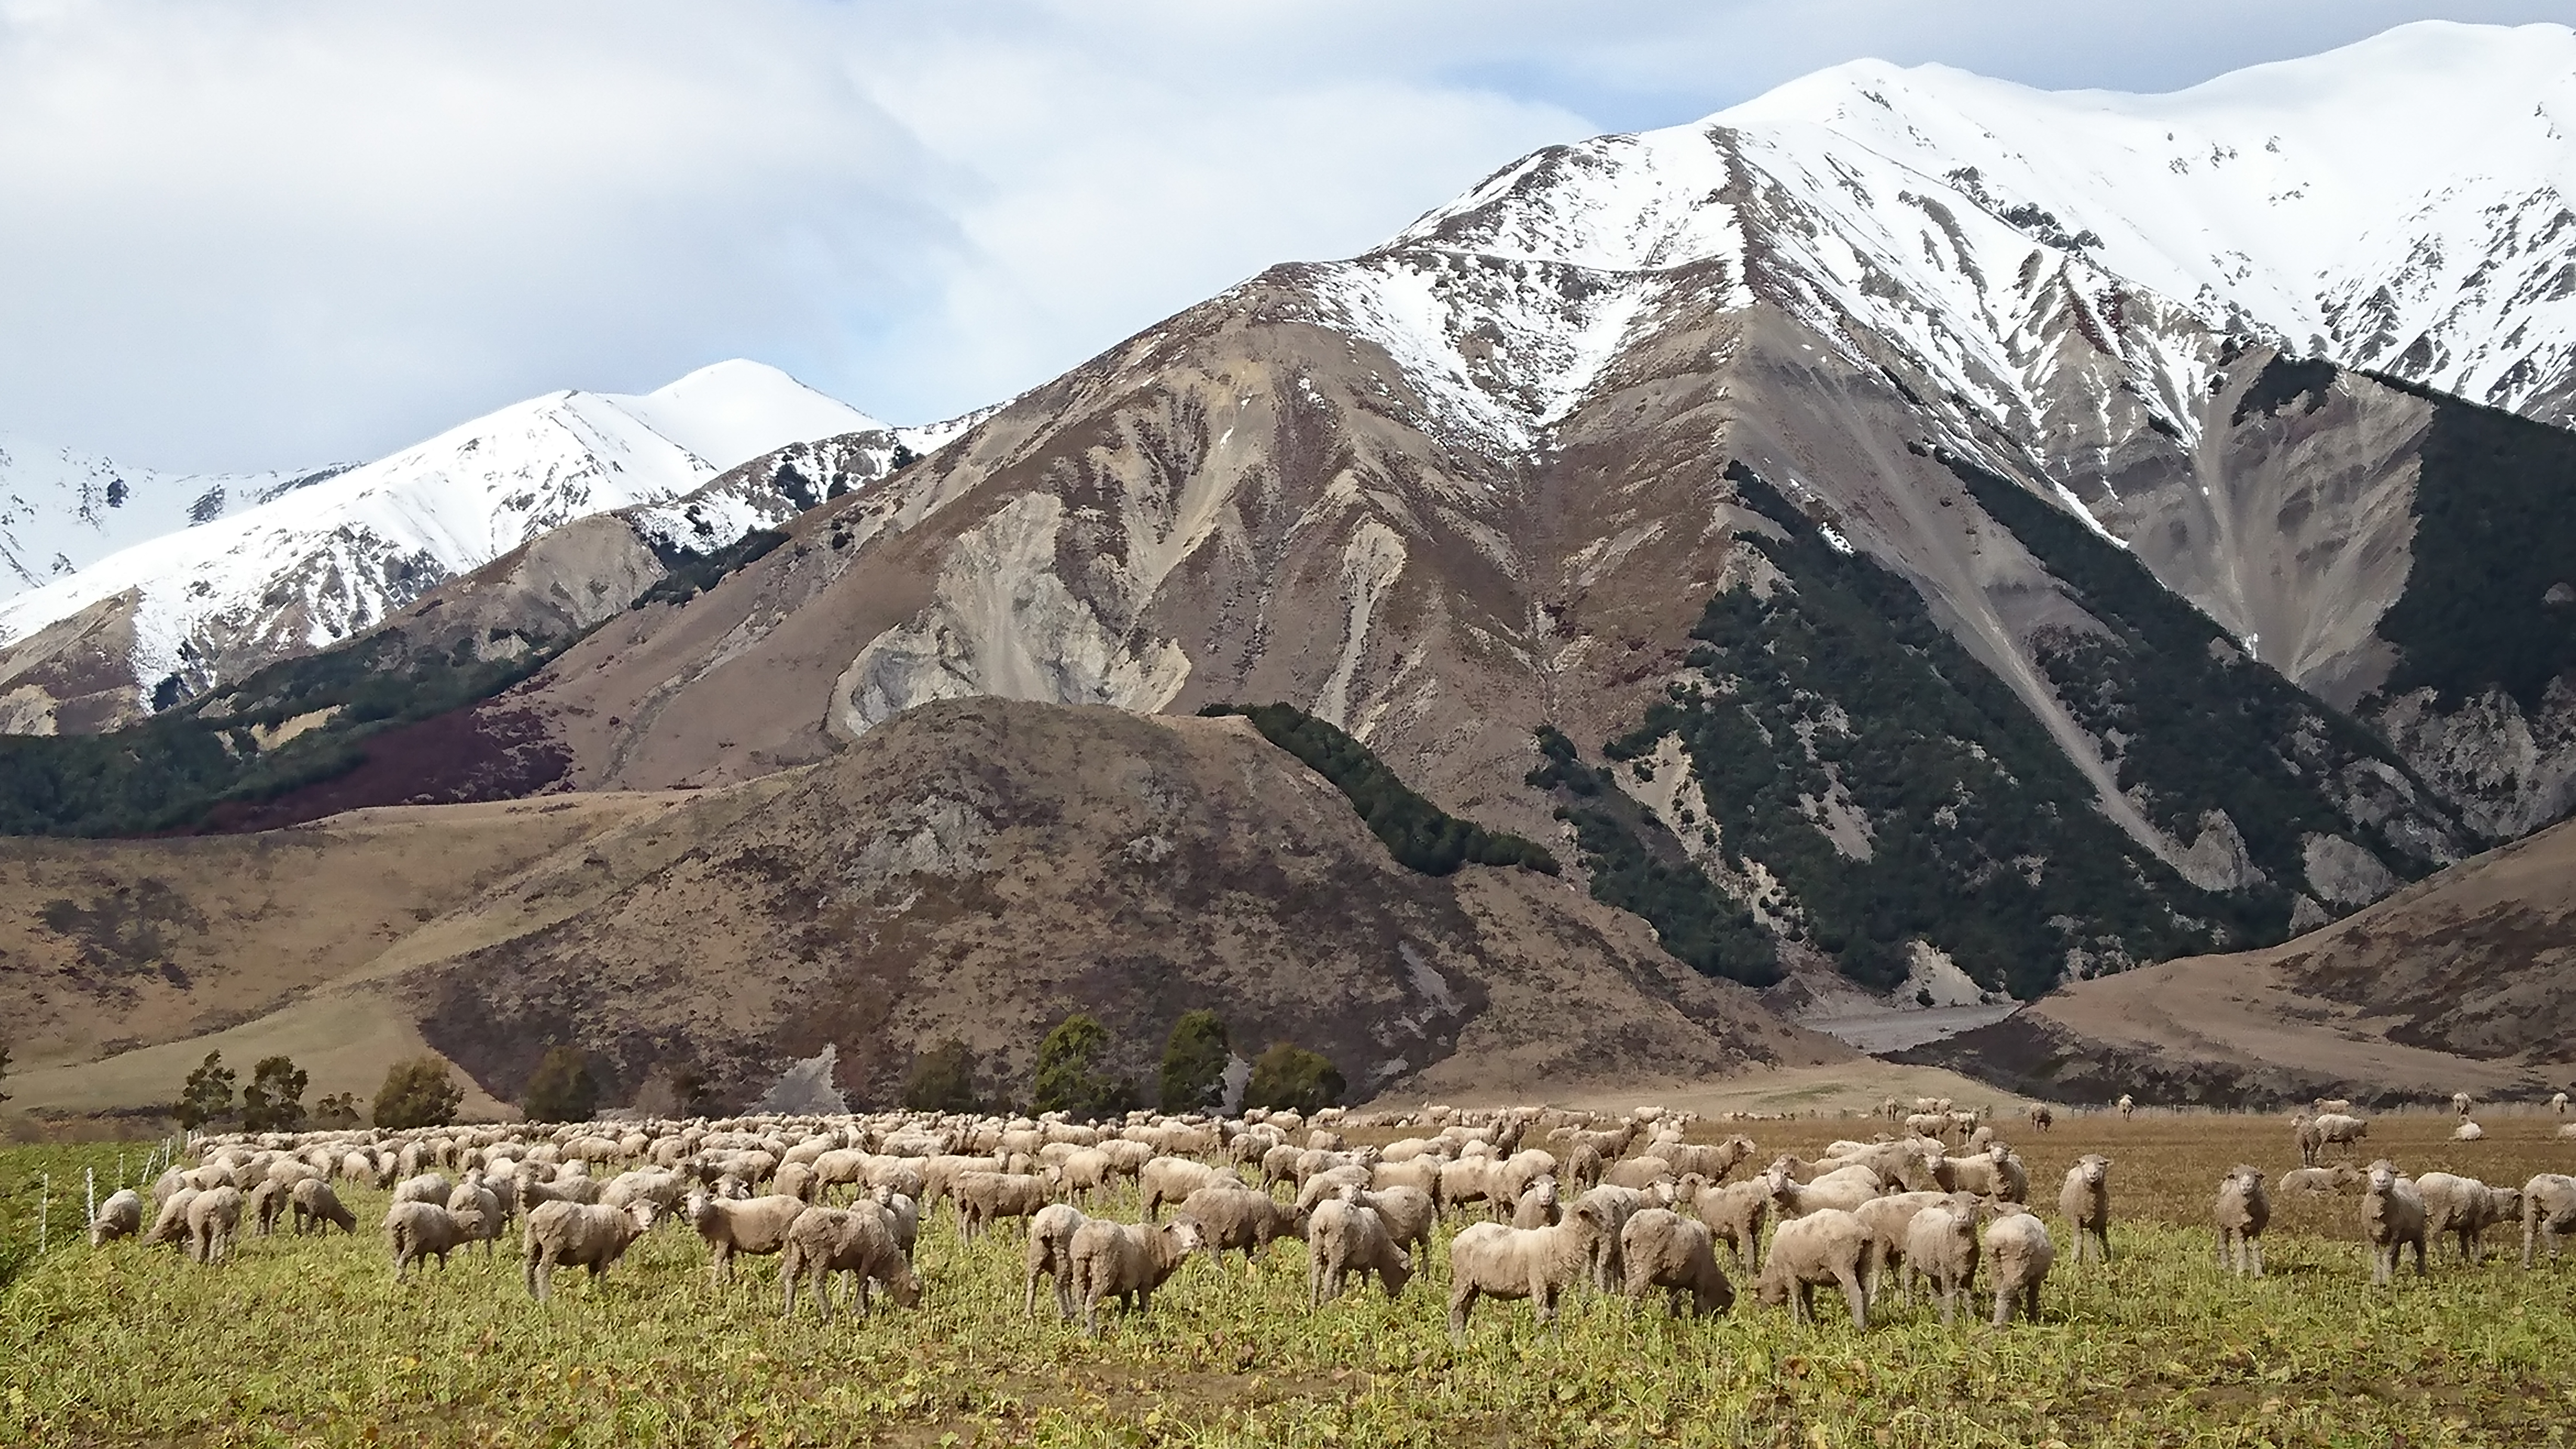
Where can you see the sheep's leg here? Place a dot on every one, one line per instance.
(2003, 1304)
(1857, 1297)
(1802, 1304)
(2254, 1250)
(1462, 1301)
(1949, 1302)
(2030, 1310)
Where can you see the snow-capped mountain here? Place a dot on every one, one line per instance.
(62, 510)
(228, 587)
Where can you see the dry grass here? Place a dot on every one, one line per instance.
(310, 1341)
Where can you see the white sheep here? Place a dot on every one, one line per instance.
(2392, 1216)
(1127, 1261)
(1844, 1188)
(2558, 1103)
(2336, 1179)
(751, 1225)
(315, 1206)
(985, 1197)
(2464, 1208)
(1941, 1246)
(578, 1235)
(1539, 1264)
(1662, 1249)
(479, 1208)
(2336, 1129)
(1409, 1214)
(171, 1224)
(1610, 1208)
(1171, 1179)
(1343, 1238)
(2468, 1132)
(853, 1240)
(1886, 1219)
(2127, 1105)
(2460, 1104)
(1822, 1246)
(1233, 1218)
(2548, 1213)
(416, 1231)
(429, 1187)
(2242, 1210)
(1538, 1207)
(1735, 1213)
(212, 1218)
(2085, 1201)
(121, 1216)
(2018, 1254)
(1050, 1253)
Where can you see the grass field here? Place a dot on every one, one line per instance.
(311, 1341)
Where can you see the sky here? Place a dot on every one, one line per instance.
(240, 234)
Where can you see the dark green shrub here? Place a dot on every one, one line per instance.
(417, 1093)
(274, 1100)
(208, 1094)
(943, 1079)
(563, 1089)
(1070, 1078)
(1289, 1076)
(1194, 1063)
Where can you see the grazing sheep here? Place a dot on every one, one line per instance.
(2392, 1216)
(664, 1189)
(1735, 1214)
(1409, 1215)
(1663, 1249)
(1170, 1179)
(1885, 1219)
(479, 1208)
(983, 1197)
(1538, 1207)
(2242, 1211)
(750, 1225)
(2548, 1213)
(2085, 1201)
(1234, 1218)
(1050, 1253)
(2018, 1254)
(1844, 1188)
(416, 1231)
(171, 1224)
(428, 1187)
(2468, 1132)
(1928, 1124)
(1824, 1246)
(902, 1216)
(1941, 1246)
(1539, 1264)
(853, 1240)
(1343, 1238)
(1637, 1172)
(534, 1194)
(121, 1216)
(579, 1235)
(212, 1217)
(1127, 1261)
(267, 1204)
(2338, 1178)
(2464, 1208)
(2334, 1129)
(796, 1180)
(316, 1205)
(2303, 1129)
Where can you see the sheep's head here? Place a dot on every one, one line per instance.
(904, 1286)
(1183, 1234)
(2383, 1176)
(2092, 1169)
(1689, 1188)
(641, 1214)
(2248, 1180)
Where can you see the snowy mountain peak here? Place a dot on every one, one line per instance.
(727, 412)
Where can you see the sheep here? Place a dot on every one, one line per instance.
(1342, 1238)
(854, 1240)
(212, 1217)
(2019, 1254)
(484, 1205)
(749, 1225)
(2085, 1201)
(2548, 1213)
(2465, 1208)
(664, 1189)
(1170, 1179)
(902, 1216)
(2041, 1117)
(1127, 1261)
(428, 1187)
(2336, 1129)
(534, 1194)
(1611, 1207)
(1637, 1172)
(1469, 1179)
(1234, 1218)
(796, 1180)
(1995, 1173)
(2303, 1131)
(2243, 1209)
(2558, 1103)
(2460, 1104)
(2324, 1105)
(267, 1203)
(1713, 1162)
(1844, 1188)
(1735, 1213)
(1928, 1124)
(416, 1231)
(1050, 1253)
(316, 1206)
(1941, 1246)
(121, 1216)
(1539, 1264)
(2468, 1132)
(1422, 1174)
(1538, 1207)
(983, 1197)
(2392, 1216)
(2338, 1178)
(2127, 1105)
(1885, 1219)
(171, 1224)
(1408, 1214)
(1663, 1249)
(583, 1235)
(1823, 1246)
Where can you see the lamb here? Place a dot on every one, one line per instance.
(2242, 1211)
(582, 1235)
(1538, 1207)
(1342, 1238)
(1126, 1261)
(212, 1217)
(316, 1205)
(1735, 1213)
(1170, 1179)
(2392, 1215)
(417, 1231)
(1539, 1264)
(1823, 1246)
(854, 1240)
(121, 1216)
(2018, 1253)
(983, 1197)
(1050, 1253)
(749, 1225)
(2548, 1213)
(1663, 1249)
(2085, 1201)
(1233, 1218)
(2465, 1208)
(1941, 1245)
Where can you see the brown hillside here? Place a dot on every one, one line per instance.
(2463, 982)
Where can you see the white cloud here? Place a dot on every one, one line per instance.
(262, 232)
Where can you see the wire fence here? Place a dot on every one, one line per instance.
(49, 1207)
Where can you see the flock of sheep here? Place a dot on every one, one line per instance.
(1618, 1204)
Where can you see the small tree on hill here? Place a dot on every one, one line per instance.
(274, 1100)
(417, 1093)
(1194, 1063)
(4, 1070)
(1069, 1078)
(942, 1079)
(208, 1094)
(1291, 1076)
(563, 1090)
(340, 1109)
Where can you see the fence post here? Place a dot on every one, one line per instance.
(89, 1189)
(44, 1211)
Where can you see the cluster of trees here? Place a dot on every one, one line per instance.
(417, 1092)
(1074, 1073)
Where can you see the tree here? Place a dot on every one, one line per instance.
(274, 1100)
(1069, 1078)
(1291, 1076)
(417, 1093)
(4, 1070)
(340, 1109)
(1194, 1063)
(563, 1090)
(943, 1079)
(208, 1095)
